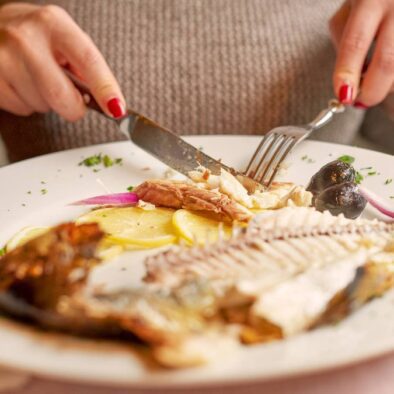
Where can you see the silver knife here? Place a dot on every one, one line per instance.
(162, 143)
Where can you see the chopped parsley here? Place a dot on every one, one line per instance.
(371, 173)
(23, 204)
(2, 251)
(44, 191)
(307, 159)
(365, 168)
(91, 161)
(105, 160)
(359, 178)
(43, 183)
(391, 196)
(28, 192)
(347, 159)
(388, 181)
(130, 188)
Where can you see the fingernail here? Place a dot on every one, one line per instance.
(345, 94)
(359, 104)
(116, 108)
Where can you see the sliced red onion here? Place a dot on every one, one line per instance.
(381, 204)
(110, 199)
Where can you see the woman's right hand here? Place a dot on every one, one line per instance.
(36, 42)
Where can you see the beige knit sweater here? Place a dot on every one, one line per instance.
(201, 67)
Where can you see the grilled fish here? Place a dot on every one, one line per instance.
(291, 262)
(43, 280)
(288, 271)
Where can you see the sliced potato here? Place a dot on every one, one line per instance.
(199, 229)
(133, 226)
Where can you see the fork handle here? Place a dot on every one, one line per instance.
(325, 116)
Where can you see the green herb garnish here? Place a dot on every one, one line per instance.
(307, 159)
(91, 161)
(130, 188)
(347, 159)
(44, 191)
(98, 159)
(388, 181)
(358, 178)
(107, 161)
(365, 168)
(371, 173)
(2, 251)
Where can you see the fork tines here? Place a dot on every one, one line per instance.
(269, 155)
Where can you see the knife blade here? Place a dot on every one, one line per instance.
(173, 150)
(166, 145)
(162, 143)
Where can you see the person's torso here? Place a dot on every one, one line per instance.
(200, 67)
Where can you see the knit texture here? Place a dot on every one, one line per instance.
(201, 67)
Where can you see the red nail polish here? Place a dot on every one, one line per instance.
(359, 104)
(345, 94)
(116, 108)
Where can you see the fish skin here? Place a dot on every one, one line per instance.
(175, 194)
(47, 264)
(43, 281)
(371, 281)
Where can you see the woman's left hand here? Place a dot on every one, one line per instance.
(355, 26)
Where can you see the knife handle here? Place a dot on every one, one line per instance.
(87, 96)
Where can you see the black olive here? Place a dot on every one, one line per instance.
(343, 198)
(333, 173)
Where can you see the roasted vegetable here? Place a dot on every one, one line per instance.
(334, 189)
(344, 198)
(331, 174)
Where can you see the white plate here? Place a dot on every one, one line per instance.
(366, 334)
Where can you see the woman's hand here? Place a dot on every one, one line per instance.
(356, 25)
(35, 43)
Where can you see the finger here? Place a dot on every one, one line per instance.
(54, 87)
(89, 63)
(9, 101)
(16, 75)
(357, 37)
(338, 23)
(379, 78)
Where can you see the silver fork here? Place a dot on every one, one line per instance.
(277, 144)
